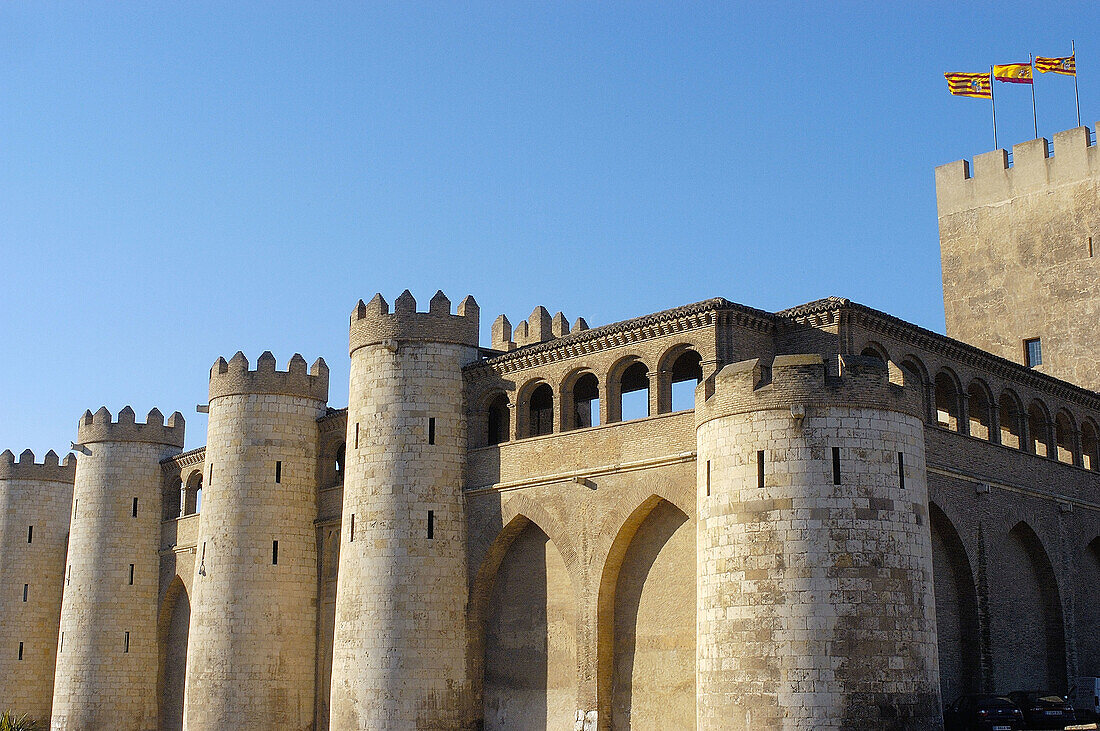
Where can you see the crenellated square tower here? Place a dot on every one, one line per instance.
(1020, 248)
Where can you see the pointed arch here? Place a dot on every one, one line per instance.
(1027, 615)
(645, 658)
(1012, 419)
(173, 623)
(979, 400)
(1088, 619)
(956, 608)
(1065, 437)
(914, 370)
(948, 400)
(1090, 445)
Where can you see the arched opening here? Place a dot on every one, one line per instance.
(193, 494)
(947, 401)
(1026, 611)
(586, 401)
(1090, 446)
(174, 623)
(340, 456)
(687, 372)
(497, 420)
(541, 411)
(956, 609)
(981, 410)
(530, 638)
(651, 610)
(917, 375)
(874, 350)
(1012, 423)
(634, 392)
(1088, 618)
(1065, 433)
(1038, 425)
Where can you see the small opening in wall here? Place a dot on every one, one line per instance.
(76, 506)
(708, 478)
(278, 472)
(126, 643)
(133, 510)
(1033, 352)
(61, 643)
(836, 465)
(131, 574)
(68, 574)
(431, 430)
(760, 468)
(26, 588)
(431, 524)
(274, 553)
(901, 470)
(357, 436)
(30, 533)
(351, 532)
(20, 650)
(210, 477)
(1090, 247)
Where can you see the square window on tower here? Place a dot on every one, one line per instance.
(1033, 352)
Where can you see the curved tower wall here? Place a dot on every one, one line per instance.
(107, 655)
(35, 502)
(399, 656)
(810, 593)
(252, 641)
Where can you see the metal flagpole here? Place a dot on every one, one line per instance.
(993, 100)
(1034, 116)
(1076, 97)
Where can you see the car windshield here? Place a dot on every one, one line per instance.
(1051, 698)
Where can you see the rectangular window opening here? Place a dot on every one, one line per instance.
(133, 511)
(274, 553)
(68, 574)
(278, 472)
(26, 588)
(351, 532)
(836, 465)
(357, 436)
(76, 506)
(901, 470)
(431, 524)
(20, 650)
(1090, 247)
(708, 478)
(431, 430)
(126, 643)
(30, 533)
(61, 643)
(131, 574)
(1033, 352)
(760, 468)
(210, 477)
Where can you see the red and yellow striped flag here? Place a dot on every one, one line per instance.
(1013, 73)
(1065, 65)
(975, 85)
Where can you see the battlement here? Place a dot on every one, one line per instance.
(49, 470)
(234, 378)
(800, 381)
(99, 427)
(1034, 166)
(372, 323)
(540, 327)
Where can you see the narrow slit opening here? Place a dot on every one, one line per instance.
(836, 465)
(901, 470)
(431, 524)
(431, 430)
(278, 472)
(274, 553)
(760, 468)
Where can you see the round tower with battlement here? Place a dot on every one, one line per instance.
(252, 641)
(814, 553)
(106, 674)
(399, 657)
(35, 502)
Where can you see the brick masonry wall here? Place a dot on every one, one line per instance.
(44, 503)
(252, 637)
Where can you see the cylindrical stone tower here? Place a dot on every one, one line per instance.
(399, 657)
(35, 502)
(814, 556)
(106, 674)
(252, 642)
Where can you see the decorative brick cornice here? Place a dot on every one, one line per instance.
(667, 322)
(186, 459)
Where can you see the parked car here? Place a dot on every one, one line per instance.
(1043, 709)
(978, 712)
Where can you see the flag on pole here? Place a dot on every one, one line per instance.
(973, 85)
(1065, 65)
(1013, 73)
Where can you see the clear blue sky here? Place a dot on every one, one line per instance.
(182, 180)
